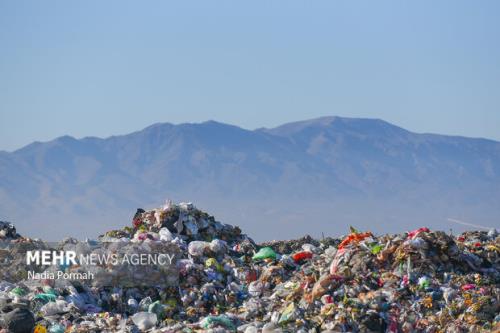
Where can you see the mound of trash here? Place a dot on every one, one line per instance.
(419, 281)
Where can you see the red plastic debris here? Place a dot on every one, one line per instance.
(299, 256)
(414, 233)
(137, 223)
(251, 276)
(468, 286)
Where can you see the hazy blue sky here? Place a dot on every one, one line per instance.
(111, 67)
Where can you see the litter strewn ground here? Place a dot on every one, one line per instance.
(419, 281)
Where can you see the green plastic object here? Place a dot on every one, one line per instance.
(376, 248)
(353, 230)
(424, 282)
(18, 291)
(265, 253)
(46, 297)
(157, 308)
(49, 290)
(222, 320)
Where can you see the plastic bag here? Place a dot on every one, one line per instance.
(221, 320)
(198, 248)
(144, 320)
(265, 253)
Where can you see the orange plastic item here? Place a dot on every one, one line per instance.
(354, 238)
(40, 329)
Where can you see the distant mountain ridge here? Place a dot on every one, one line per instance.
(311, 176)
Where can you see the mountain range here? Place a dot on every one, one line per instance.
(310, 177)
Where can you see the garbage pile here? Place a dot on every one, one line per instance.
(419, 281)
(7, 231)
